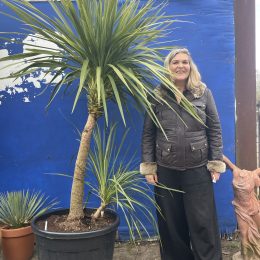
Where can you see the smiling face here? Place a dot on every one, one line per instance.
(180, 67)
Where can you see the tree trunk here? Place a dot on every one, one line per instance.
(77, 191)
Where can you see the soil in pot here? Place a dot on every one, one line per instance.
(84, 225)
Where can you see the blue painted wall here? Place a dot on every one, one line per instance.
(34, 142)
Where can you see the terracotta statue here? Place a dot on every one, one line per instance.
(247, 208)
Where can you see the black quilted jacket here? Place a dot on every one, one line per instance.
(190, 144)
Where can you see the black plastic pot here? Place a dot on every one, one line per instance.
(96, 245)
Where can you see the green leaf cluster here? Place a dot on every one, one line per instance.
(18, 208)
(118, 184)
(109, 51)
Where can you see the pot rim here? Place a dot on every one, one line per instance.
(72, 235)
(7, 232)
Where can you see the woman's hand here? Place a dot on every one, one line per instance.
(151, 178)
(215, 176)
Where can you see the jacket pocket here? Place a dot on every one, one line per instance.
(199, 151)
(165, 153)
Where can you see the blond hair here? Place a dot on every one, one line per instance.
(194, 79)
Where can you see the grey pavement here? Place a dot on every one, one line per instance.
(149, 250)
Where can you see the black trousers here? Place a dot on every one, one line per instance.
(188, 228)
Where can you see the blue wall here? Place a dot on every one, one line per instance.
(34, 142)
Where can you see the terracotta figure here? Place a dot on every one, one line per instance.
(247, 208)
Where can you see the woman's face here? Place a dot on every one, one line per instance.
(180, 67)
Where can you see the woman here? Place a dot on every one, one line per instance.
(190, 160)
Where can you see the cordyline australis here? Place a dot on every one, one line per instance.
(112, 49)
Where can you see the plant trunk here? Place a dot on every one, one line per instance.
(77, 191)
(97, 214)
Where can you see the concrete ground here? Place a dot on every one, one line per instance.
(149, 250)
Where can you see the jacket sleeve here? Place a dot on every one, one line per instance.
(214, 134)
(148, 165)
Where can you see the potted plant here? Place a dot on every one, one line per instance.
(118, 186)
(1, 226)
(16, 212)
(106, 50)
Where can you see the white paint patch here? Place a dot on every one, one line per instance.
(6, 69)
(26, 100)
(36, 83)
(13, 86)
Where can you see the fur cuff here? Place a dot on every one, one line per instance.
(217, 166)
(148, 168)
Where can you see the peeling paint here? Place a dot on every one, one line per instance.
(26, 100)
(12, 86)
(6, 68)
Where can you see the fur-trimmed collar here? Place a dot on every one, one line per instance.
(196, 92)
